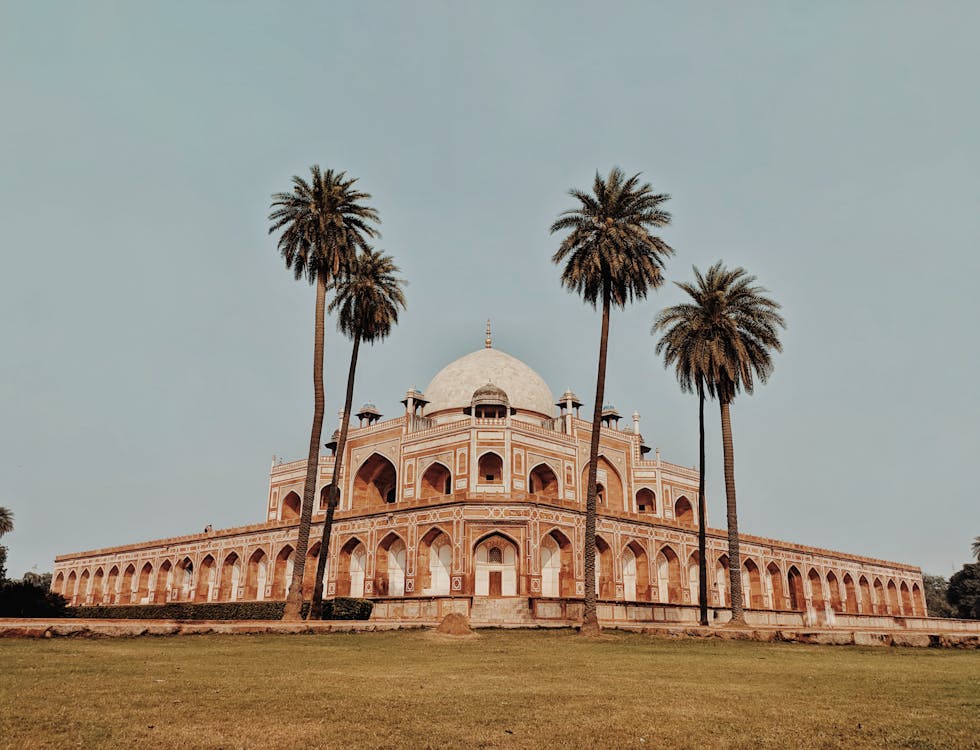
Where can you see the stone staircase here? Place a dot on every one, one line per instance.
(506, 612)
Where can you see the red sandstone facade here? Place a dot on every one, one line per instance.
(473, 501)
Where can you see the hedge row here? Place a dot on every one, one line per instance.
(333, 609)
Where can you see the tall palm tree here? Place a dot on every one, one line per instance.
(609, 257)
(367, 302)
(737, 328)
(685, 344)
(6, 520)
(323, 222)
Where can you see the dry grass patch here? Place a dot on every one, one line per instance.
(509, 689)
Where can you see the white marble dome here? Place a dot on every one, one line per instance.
(453, 386)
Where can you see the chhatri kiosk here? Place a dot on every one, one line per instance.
(472, 500)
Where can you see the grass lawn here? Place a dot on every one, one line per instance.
(500, 689)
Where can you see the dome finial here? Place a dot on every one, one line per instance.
(489, 340)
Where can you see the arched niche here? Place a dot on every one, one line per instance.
(646, 501)
(390, 566)
(542, 482)
(351, 567)
(495, 567)
(490, 469)
(256, 575)
(752, 594)
(207, 578)
(723, 582)
(375, 483)
(436, 481)
(557, 572)
(231, 578)
(282, 572)
(291, 507)
(636, 572)
(668, 575)
(850, 595)
(143, 583)
(777, 597)
(609, 485)
(435, 561)
(794, 579)
(684, 512)
(164, 582)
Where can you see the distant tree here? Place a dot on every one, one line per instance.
(6, 520)
(738, 326)
(935, 588)
(975, 548)
(40, 580)
(963, 593)
(3, 563)
(609, 258)
(324, 222)
(367, 302)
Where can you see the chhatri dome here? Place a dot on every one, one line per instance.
(454, 386)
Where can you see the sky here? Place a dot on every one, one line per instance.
(155, 353)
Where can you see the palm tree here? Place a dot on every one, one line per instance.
(6, 520)
(737, 331)
(610, 257)
(685, 344)
(324, 222)
(367, 302)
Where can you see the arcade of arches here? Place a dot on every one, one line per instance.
(454, 500)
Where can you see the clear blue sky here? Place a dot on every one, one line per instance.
(155, 352)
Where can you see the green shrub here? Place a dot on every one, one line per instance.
(24, 599)
(341, 608)
(346, 608)
(187, 611)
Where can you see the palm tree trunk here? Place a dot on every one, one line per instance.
(590, 619)
(294, 600)
(333, 493)
(734, 557)
(702, 541)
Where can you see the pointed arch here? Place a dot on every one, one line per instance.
(351, 567)
(309, 570)
(636, 572)
(496, 558)
(917, 610)
(96, 589)
(646, 501)
(894, 608)
(722, 582)
(85, 589)
(433, 569)
(71, 588)
(164, 582)
(375, 483)
(605, 584)
(775, 576)
(231, 578)
(112, 585)
(694, 577)
(490, 468)
(880, 605)
(816, 590)
(906, 600)
(256, 575)
(752, 593)
(867, 604)
(794, 578)
(207, 579)
(850, 602)
(144, 583)
(185, 580)
(668, 575)
(684, 511)
(436, 481)
(833, 585)
(282, 572)
(542, 481)
(557, 565)
(609, 485)
(290, 508)
(126, 584)
(390, 566)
